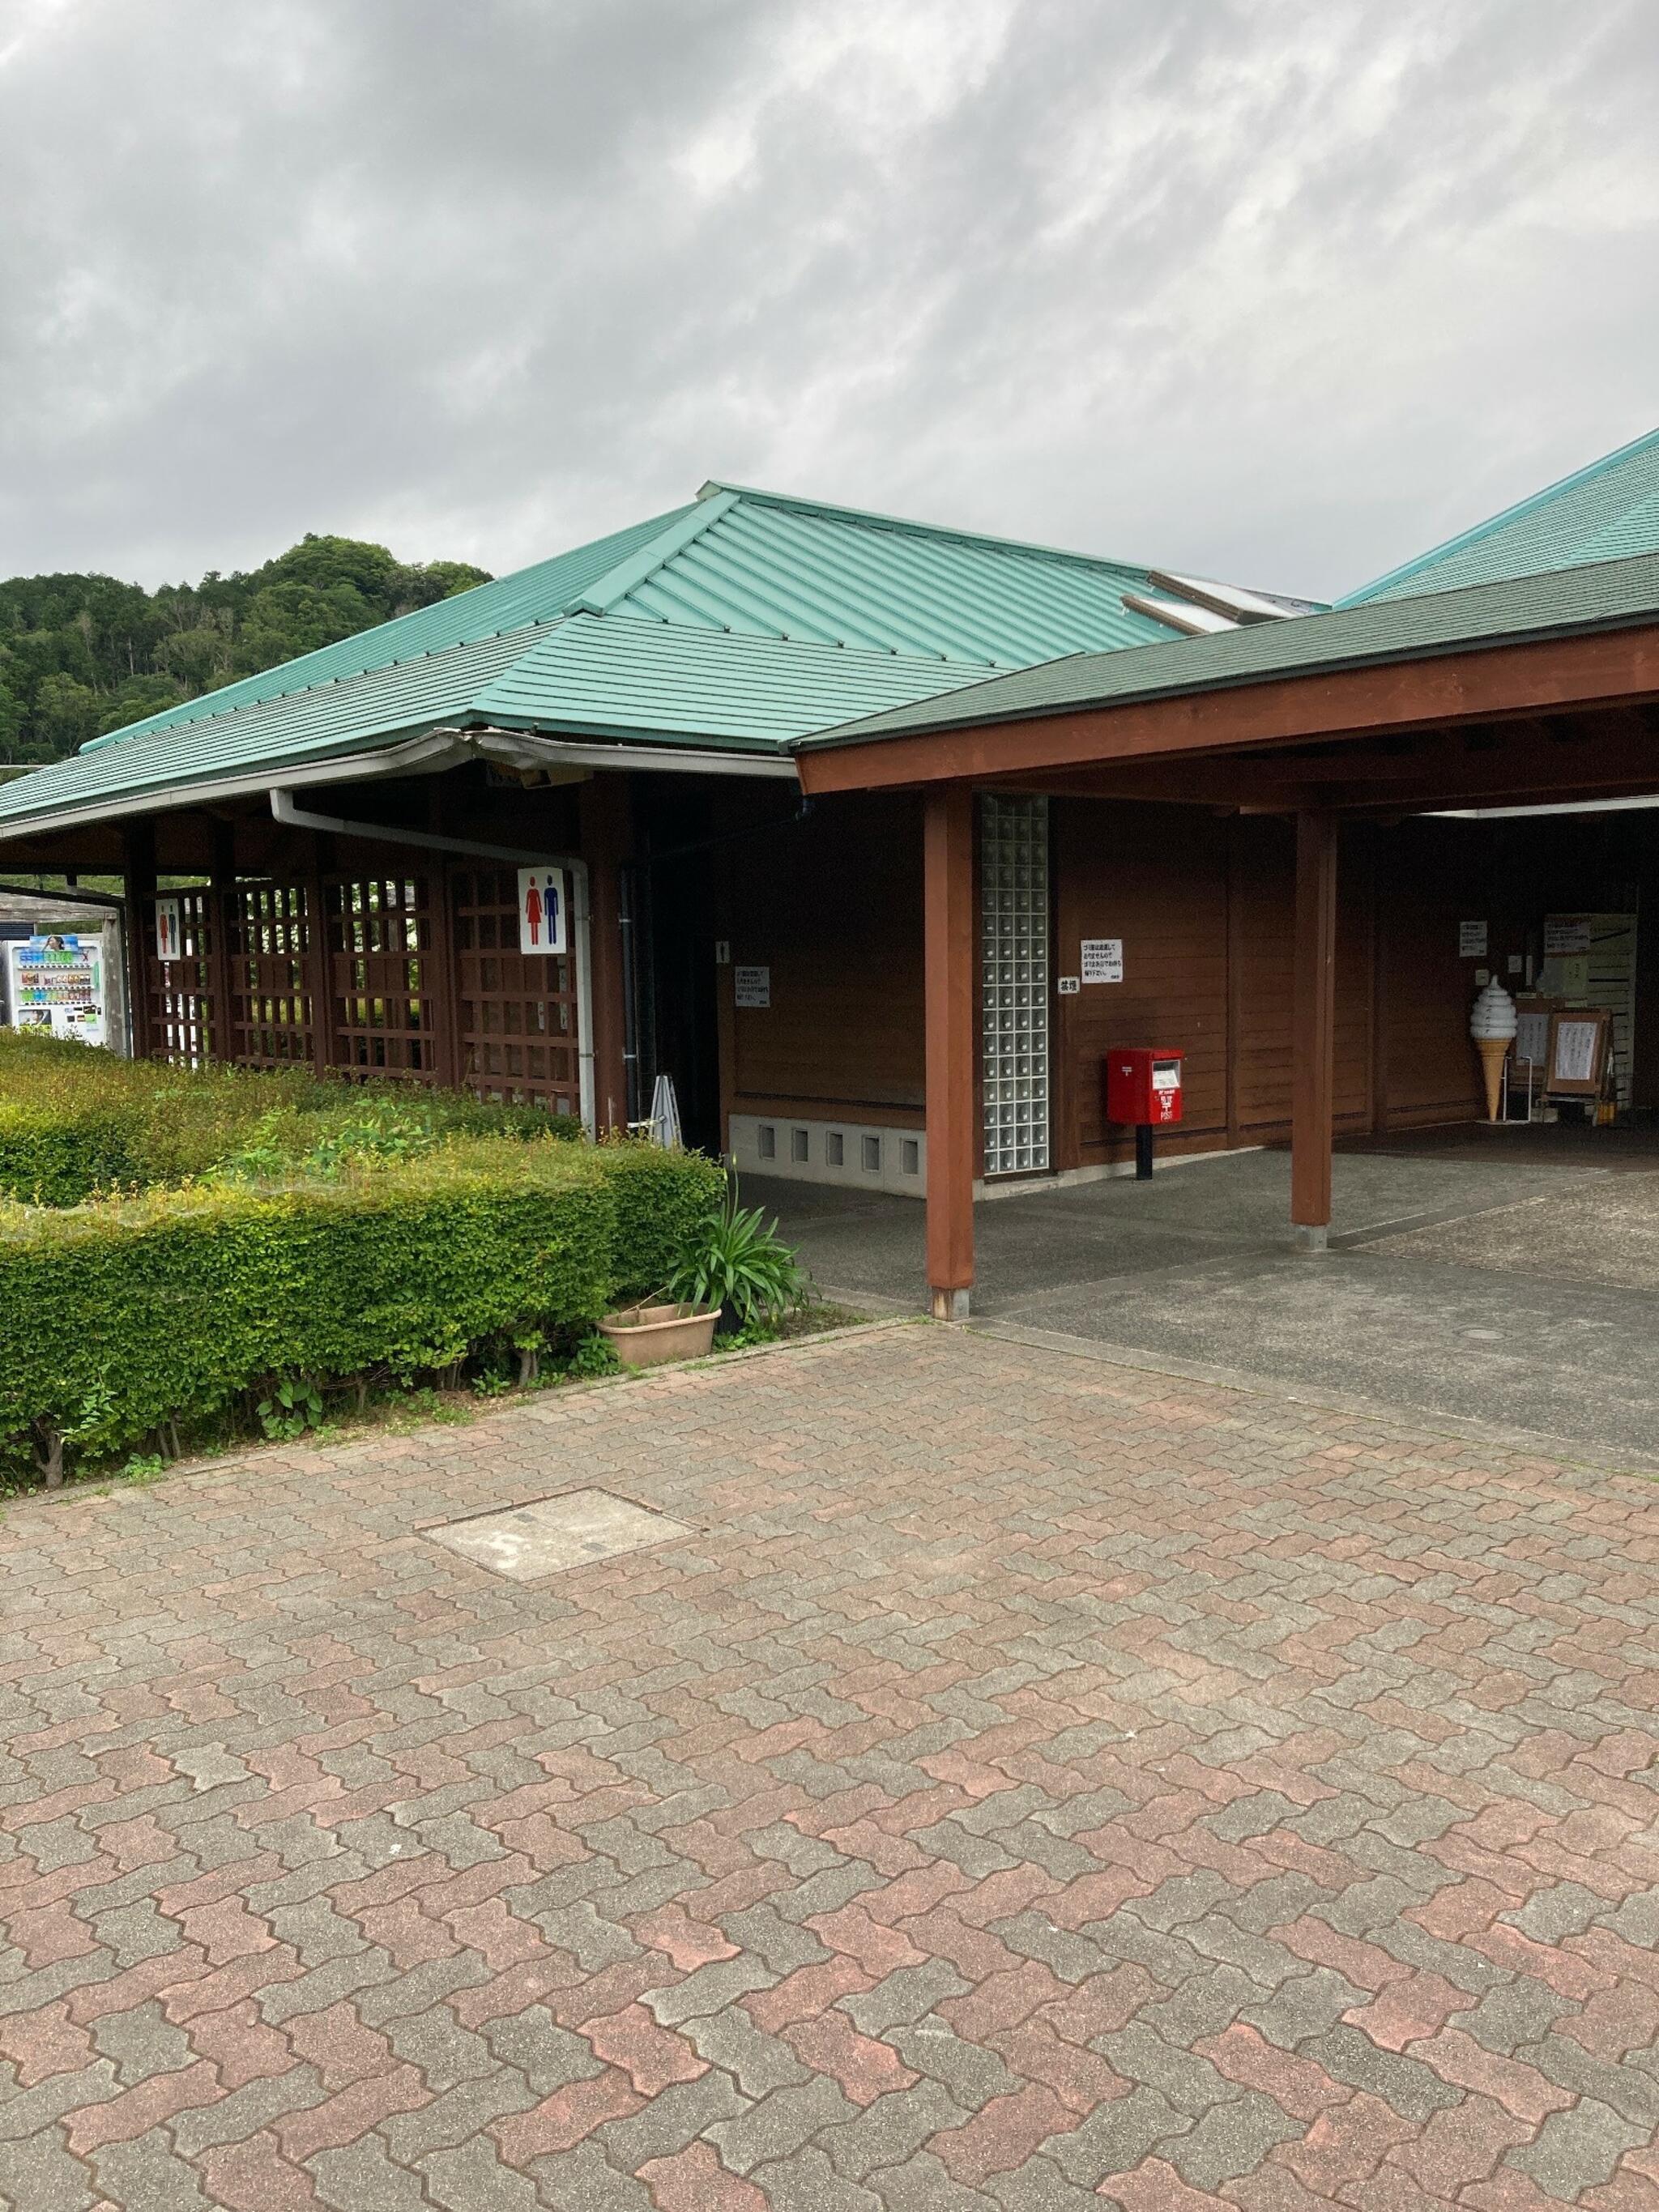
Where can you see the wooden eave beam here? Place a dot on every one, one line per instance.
(1605, 669)
(1497, 763)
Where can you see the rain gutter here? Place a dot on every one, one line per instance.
(429, 754)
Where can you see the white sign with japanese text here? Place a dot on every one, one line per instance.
(753, 986)
(1103, 960)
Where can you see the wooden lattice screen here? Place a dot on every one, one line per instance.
(180, 992)
(271, 1015)
(426, 983)
(380, 940)
(517, 1016)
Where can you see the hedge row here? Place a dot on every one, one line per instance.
(119, 1317)
(76, 1122)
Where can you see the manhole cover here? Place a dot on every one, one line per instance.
(556, 1533)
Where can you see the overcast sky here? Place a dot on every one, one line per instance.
(1282, 290)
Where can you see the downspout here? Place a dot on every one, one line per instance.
(284, 810)
(632, 1089)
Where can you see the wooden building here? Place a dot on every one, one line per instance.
(877, 837)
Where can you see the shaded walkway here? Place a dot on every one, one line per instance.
(1486, 1278)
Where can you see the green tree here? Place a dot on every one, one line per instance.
(13, 714)
(285, 620)
(199, 658)
(138, 698)
(82, 655)
(65, 713)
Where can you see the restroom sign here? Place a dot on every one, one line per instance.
(167, 946)
(541, 910)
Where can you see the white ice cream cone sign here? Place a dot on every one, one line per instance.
(1492, 1026)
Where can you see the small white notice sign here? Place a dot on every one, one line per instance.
(1068, 987)
(1103, 960)
(168, 945)
(1567, 933)
(753, 986)
(1575, 1051)
(1471, 941)
(541, 910)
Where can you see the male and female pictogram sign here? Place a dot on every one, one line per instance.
(541, 910)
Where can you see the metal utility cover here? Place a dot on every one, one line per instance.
(528, 1541)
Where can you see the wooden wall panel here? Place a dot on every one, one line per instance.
(1204, 906)
(1264, 890)
(1156, 878)
(832, 906)
(1429, 878)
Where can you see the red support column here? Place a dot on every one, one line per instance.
(1312, 1031)
(948, 901)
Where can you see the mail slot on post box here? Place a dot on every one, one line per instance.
(1143, 1089)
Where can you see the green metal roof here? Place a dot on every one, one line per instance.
(743, 620)
(1606, 512)
(355, 714)
(645, 680)
(1615, 594)
(510, 603)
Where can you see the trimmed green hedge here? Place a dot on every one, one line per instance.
(76, 1122)
(121, 1316)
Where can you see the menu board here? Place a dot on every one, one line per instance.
(1577, 1050)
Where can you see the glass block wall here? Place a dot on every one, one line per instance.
(1014, 973)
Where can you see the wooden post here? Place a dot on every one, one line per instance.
(138, 862)
(1234, 865)
(1313, 1029)
(606, 823)
(948, 901)
(221, 911)
(319, 965)
(1381, 982)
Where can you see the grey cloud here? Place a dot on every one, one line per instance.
(1282, 289)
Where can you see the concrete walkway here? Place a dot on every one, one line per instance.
(1032, 1785)
(1491, 1279)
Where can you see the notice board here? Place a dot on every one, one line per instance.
(1589, 960)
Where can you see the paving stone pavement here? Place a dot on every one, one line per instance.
(1034, 1784)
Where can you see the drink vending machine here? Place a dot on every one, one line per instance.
(56, 982)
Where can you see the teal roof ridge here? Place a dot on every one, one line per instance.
(1450, 547)
(874, 518)
(677, 532)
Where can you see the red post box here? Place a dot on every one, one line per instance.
(1143, 1089)
(1143, 1085)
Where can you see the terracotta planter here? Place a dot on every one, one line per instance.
(647, 1336)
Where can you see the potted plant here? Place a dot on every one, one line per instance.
(737, 1263)
(656, 1330)
(736, 1270)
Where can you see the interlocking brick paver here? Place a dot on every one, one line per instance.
(1036, 1782)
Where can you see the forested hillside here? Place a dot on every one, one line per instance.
(83, 654)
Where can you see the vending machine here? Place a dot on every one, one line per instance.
(56, 981)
